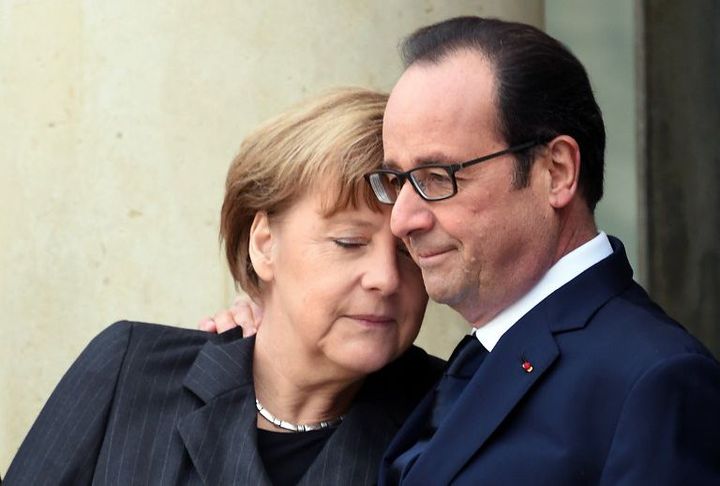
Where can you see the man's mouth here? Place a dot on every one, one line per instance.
(428, 257)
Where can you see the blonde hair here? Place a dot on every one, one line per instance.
(325, 144)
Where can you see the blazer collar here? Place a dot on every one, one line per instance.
(352, 454)
(501, 382)
(220, 436)
(223, 363)
(377, 412)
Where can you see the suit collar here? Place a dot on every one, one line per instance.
(588, 291)
(563, 271)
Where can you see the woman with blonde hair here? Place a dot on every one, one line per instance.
(317, 394)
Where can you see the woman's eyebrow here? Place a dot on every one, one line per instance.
(339, 220)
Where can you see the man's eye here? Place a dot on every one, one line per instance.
(430, 179)
(438, 178)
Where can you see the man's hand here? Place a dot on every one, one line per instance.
(244, 313)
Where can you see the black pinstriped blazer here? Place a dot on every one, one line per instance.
(157, 405)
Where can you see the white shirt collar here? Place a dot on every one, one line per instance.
(564, 270)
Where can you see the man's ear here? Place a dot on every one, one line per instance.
(564, 166)
(260, 246)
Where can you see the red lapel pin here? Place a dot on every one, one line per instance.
(527, 366)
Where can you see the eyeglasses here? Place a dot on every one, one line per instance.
(432, 182)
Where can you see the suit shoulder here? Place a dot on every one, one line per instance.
(644, 330)
(629, 337)
(671, 410)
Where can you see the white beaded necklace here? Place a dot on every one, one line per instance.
(264, 413)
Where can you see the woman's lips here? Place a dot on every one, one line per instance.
(373, 320)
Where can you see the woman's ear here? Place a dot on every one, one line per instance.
(564, 153)
(260, 246)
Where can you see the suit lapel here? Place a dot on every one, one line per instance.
(220, 436)
(497, 387)
(501, 382)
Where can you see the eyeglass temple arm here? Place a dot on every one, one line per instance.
(516, 148)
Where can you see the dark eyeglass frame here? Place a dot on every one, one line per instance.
(451, 169)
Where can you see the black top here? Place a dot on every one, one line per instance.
(287, 456)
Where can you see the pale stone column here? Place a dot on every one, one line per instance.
(117, 125)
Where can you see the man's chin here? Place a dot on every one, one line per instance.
(438, 289)
(448, 291)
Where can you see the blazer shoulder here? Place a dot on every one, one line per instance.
(156, 350)
(404, 382)
(414, 368)
(419, 361)
(157, 337)
(153, 329)
(65, 439)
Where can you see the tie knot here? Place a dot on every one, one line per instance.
(466, 358)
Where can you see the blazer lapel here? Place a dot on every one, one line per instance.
(352, 454)
(499, 384)
(220, 436)
(502, 381)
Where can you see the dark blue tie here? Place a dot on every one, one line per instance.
(464, 361)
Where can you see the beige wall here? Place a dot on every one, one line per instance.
(117, 123)
(602, 35)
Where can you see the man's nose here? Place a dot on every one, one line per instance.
(410, 213)
(383, 273)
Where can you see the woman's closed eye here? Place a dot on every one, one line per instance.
(358, 243)
(349, 243)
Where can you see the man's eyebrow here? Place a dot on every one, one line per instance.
(430, 159)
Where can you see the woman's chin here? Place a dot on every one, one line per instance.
(367, 360)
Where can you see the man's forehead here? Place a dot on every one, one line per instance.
(457, 74)
(440, 112)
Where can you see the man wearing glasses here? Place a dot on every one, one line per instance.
(494, 150)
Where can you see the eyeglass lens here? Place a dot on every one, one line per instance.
(431, 182)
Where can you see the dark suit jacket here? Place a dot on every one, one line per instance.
(148, 404)
(619, 394)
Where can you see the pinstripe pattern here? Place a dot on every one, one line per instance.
(155, 405)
